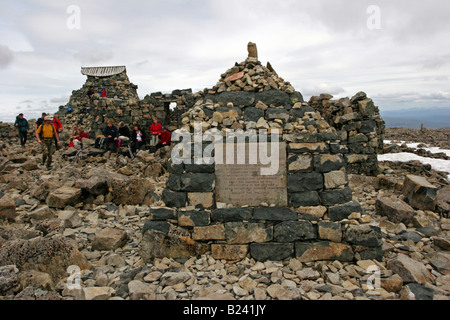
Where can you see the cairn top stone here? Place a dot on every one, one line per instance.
(102, 71)
(252, 50)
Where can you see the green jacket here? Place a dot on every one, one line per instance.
(22, 124)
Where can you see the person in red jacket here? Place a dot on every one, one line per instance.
(165, 139)
(155, 131)
(59, 128)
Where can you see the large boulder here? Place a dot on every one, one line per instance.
(7, 208)
(109, 239)
(161, 239)
(49, 255)
(410, 270)
(420, 193)
(396, 210)
(64, 196)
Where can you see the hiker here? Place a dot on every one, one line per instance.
(39, 121)
(165, 139)
(91, 92)
(155, 131)
(104, 92)
(112, 135)
(124, 132)
(59, 128)
(45, 135)
(138, 139)
(22, 125)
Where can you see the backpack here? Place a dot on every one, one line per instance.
(41, 129)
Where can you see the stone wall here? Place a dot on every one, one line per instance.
(360, 127)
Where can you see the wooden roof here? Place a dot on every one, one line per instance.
(102, 71)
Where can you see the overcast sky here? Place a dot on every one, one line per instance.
(398, 52)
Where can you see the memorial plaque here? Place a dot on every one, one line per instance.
(246, 181)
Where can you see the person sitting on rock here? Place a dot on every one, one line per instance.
(138, 139)
(77, 138)
(112, 136)
(165, 139)
(124, 132)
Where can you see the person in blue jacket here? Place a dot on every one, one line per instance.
(22, 125)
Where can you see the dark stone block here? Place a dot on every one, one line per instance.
(275, 97)
(291, 231)
(199, 168)
(175, 168)
(238, 98)
(232, 214)
(414, 236)
(174, 199)
(328, 162)
(253, 114)
(300, 112)
(274, 214)
(421, 292)
(367, 126)
(174, 182)
(162, 213)
(340, 212)
(375, 253)
(304, 182)
(327, 136)
(271, 251)
(333, 197)
(197, 182)
(161, 226)
(304, 199)
(364, 235)
(296, 97)
(337, 148)
(194, 218)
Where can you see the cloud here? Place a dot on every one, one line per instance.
(6, 57)
(62, 100)
(322, 88)
(94, 56)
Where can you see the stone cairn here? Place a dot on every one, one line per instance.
(122, 103)
(317, 222)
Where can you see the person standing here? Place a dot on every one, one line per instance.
(39, 122)
(45, 135)
(104, 92)
(22, 125)
(59, 128)
(155, 131)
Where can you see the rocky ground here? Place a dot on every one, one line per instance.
(40, 238)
